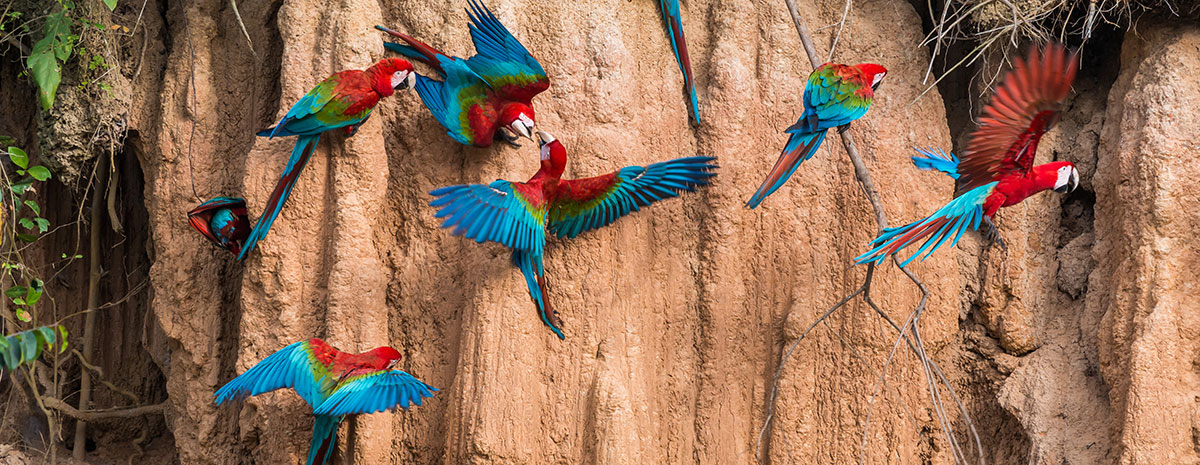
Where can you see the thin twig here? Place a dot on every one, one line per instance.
(187, 25)
(93, 415)
(236, 14)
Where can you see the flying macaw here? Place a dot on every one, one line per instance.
(334, 384)
(997, 168)
(519, 215)
(674, 22)
(223, 220)
(484, 97)
(344, 100)
(835, 96)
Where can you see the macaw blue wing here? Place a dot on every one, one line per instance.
(375, 392)
(308, 105)
(450, 101)
(591, 203)
(293, 367)
(952, 220)
(830, 100)
(513, 214)
(500, 58)
(674, 22)
(936, 160)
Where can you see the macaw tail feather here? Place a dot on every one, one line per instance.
(800, 147)
(324, 439)
(301, 153)
(674, 22)
(415, 49)
(531, 267)
(936, 160)
(952, 220)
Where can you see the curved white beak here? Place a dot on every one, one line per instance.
(1070, 183)
(522, 130)
(402, 80)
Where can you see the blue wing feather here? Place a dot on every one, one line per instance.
(376, 392)
(511, 220)
(937, 160)
(951, 220)
(289, 367)
(499, 54)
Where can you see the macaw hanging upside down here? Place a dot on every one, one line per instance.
(997, 169)
(519, 214)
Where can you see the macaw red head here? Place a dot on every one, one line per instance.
(223, 221)
(518, 118)
(554, 155)
(873, 73)
(384, 357)
(391, 74)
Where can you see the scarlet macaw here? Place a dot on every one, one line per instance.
(835, 96)
(519, 215)
(674, 23)
(481, 97)
(334, 384)
(223, 220)
(344, 100)
(997, 168)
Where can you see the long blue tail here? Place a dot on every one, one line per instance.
(324, 439)
(800, 147)
(936, 160)
(301, 153)
(674, 22)
(952, 220)
(531, 267)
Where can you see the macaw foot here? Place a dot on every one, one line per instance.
(993, 234)
(843, 128)
(351, 130)
(510, 139)
(551, 314)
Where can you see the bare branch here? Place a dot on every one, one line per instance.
(93, 415)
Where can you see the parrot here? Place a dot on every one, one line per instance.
(333, 383)
(997, 169)
(674, 23)
(484, 97)
(520, 215)
(835, 95)
(223, 220)
(343, 100)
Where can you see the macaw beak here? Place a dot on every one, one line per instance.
(1070, 185)
(521, 130)
(544, 138)
(404, 80)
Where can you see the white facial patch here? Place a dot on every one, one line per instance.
(1067, 176)
(878, 77)
(545, 140)
(527, 120)
(545, 151)
(398, 78)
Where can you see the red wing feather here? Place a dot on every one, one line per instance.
(1024, 106)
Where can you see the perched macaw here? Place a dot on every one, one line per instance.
(997, 168)
(835, 96)
(334, 384)
(519, 214)
(223, 220)
(344, 100)
(484, 97)
(674, 22)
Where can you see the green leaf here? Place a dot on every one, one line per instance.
(42, 224)
(27, 223)
(16, 291)
(39, 173)
(11, 353)
(46, 57)
(19, 301)
(24, 315)
(47, 335)
(35, 292)
(18, 157)
(62, 331)
(37, 210)
(21, 186)
(111, 4)
(27, 237)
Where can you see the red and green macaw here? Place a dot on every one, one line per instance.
(334, 384)
(223, 220)
(344, 100)
(997, 168)
(674, 22)
(835, 96)
(519, 214)
(484, 97)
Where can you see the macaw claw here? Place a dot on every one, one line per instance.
(993, 235)
(503, 136)
(843, 128)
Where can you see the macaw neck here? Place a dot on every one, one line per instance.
(1043, 177)
(381, 82)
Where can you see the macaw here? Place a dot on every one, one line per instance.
(484, 97)
(333, 383)
(835, 96)
(344, 100)
(519, 215)
(674, 22)
(223, 220)
(997, 168)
